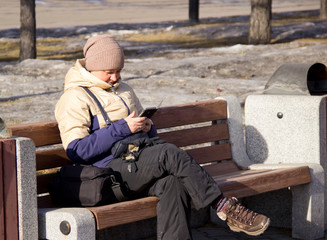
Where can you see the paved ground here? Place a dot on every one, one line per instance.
(213, 232)
(220, 231)
(58, 13)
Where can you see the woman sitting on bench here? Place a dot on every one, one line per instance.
(161, 170)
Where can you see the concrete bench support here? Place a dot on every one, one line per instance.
(77, 223)
(309, 224)
(26, 188)
(286, 130)
(307, 200)
(66, 223)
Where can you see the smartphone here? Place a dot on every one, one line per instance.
(148, 112)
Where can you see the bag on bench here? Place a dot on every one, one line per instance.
(77, 185)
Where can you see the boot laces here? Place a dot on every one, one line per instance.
(241, 213)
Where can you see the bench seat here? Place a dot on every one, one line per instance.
(239, 184)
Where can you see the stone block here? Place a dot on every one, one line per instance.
(26, 187)
(66, 224)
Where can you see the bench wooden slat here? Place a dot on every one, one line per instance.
(42, 133)
(125, 212)
(190, 113)
(244, 173)
(57, 157)
(261, 182)
(248, 174)
(8, 178)
(211, 153)
(238, 186)
(221, 168)
(51, 158)
(186, 137)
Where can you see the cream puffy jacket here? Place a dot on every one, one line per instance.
(75, 108)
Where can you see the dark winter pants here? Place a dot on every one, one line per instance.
(175, 178)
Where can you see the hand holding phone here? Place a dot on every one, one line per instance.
(148, 112)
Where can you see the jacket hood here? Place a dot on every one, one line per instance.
(78, 76)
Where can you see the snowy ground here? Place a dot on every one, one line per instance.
(30, 89)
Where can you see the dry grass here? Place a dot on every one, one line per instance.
(55, 48)
(163, 37)
(47, 48)
(9, 50)
(183, 40)
(294, 19)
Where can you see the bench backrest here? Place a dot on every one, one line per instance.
(200, 128)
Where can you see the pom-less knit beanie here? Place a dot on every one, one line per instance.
(102, 52)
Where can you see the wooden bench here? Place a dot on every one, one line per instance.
(200, 128)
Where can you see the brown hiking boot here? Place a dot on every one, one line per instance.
(241, 219)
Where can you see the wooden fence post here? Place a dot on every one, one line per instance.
(323, 9)
(193, 12)
(8, 190)
(260, 26)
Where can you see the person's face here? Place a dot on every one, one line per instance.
(108, 76)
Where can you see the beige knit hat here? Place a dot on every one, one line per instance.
(102, 52)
